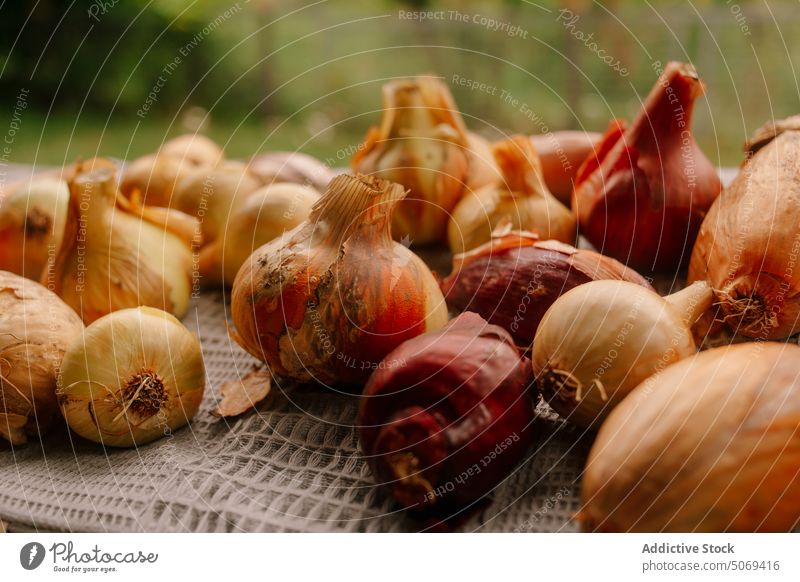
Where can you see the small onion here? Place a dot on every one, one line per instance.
(212, 195)
(195, 148)
(36, 328)
(710, 444)
(132, 377)
(264, 216)
(32, 221)
(152, 178)
(514, 279)
(598, 341)
(292, 167)
(521, 201)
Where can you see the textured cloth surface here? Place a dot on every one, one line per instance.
(292, 465)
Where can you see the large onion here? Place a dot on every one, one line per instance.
(709, 444)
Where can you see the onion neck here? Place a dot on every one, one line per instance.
(418, 106)
(356, 203)
(667, 111)
(692, 301)
(520, 165)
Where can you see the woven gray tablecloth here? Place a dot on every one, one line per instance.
(292, 465)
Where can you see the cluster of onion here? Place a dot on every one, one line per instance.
(238, 205)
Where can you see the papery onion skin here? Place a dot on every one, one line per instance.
(36, 328)
(441, 405)
(709, 444)
(264, 216)
(513, 279)
(561, 154)
(292, 167)
(600, 340)
(328, 300)
(31, 225)
(116, 255)
(642, 198)
(194, 148)
(521, 201)
(423, 144)
(132, 377)
(748, 244)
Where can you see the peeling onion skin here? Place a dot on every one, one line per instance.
(710, 444)
(438, 405)
(598, 341)
(642, 198)
(423, 144)
(36, 328)
(513, 280)
(329, 299)
(747, 245)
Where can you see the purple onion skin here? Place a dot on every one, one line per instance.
(448, 417)
(513, 280)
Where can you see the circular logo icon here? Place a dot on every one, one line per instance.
(31, 555)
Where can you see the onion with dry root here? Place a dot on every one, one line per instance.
(116, 254)
(747, 248)
(423, 144)
(133, 376)
(709, 444)
(598, 341)
(514, 279)
(331, 298)
(521, 201)
(36, 328)
(642, 197)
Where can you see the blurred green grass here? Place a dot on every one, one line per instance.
(280, 75)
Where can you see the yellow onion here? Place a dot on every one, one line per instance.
(36, 328)
(748, 244)
(152, 178)
(710, 444)
(293, 167)
(331, 298)
(521, 201)
(31, 225)
(194, 148)
(115, 254)
(423, 144)
(133, 376)
(263, 216)
(598, 341)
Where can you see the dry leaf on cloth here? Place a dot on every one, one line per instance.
(241, 394)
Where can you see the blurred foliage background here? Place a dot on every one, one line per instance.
(118, 77)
